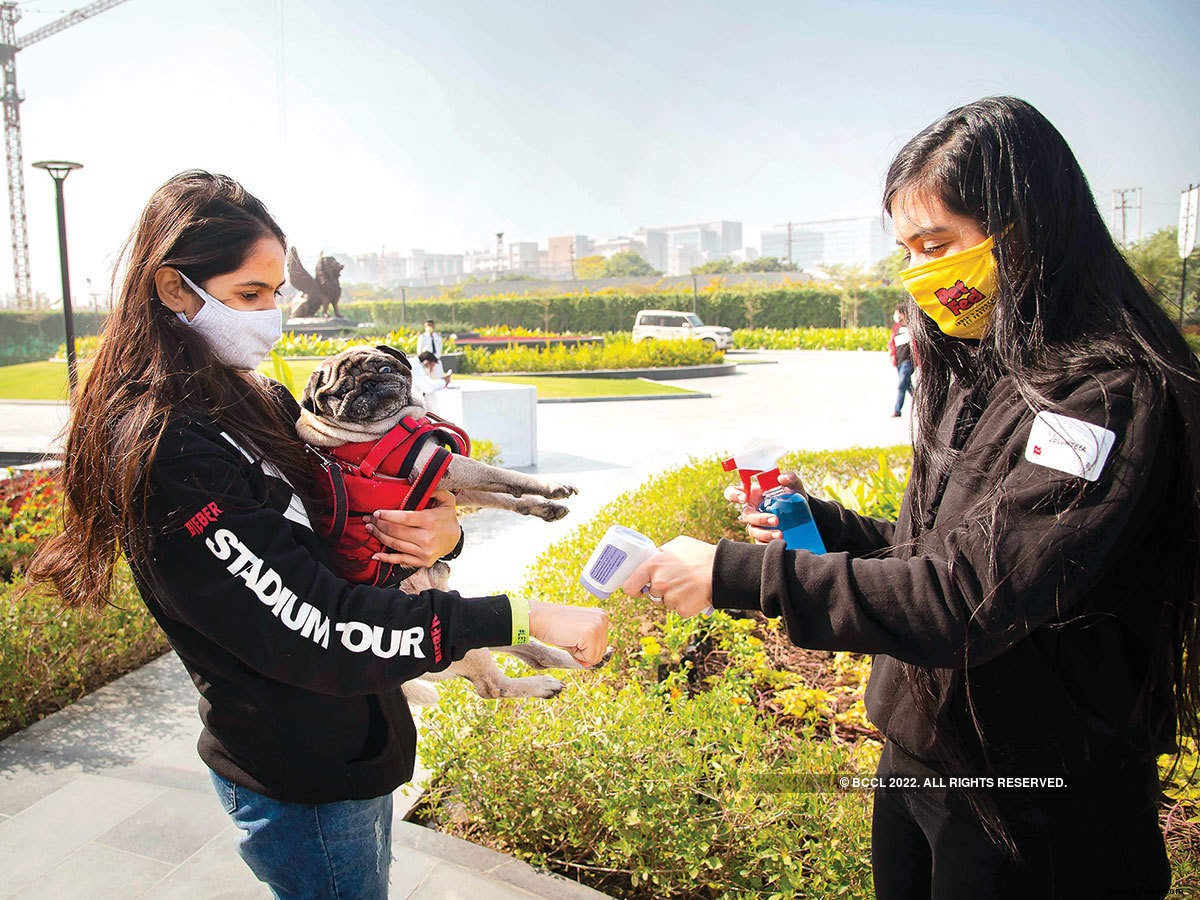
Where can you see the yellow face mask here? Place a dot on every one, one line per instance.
(957, 291)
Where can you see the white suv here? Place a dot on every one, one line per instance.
(670, 324)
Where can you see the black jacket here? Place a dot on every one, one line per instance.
(298, 670)
(1045, 613)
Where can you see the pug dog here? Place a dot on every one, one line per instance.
(362, 393)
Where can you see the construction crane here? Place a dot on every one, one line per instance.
(9, 45)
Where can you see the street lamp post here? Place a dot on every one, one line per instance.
(59, 171)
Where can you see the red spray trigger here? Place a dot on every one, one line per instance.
(747, 475)
(759, 462)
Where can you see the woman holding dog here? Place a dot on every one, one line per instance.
(184, 459)
(1035, 611)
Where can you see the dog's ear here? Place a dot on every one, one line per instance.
(315, 382)
(392, 351)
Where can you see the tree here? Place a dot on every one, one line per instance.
(714, 267)
(1156, 260)
(766, 264)
(590, 267)
(888, 269)
(849, 281)
(623, 265)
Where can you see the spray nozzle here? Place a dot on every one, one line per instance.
(756, 463)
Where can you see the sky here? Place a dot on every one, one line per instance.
(434, 124)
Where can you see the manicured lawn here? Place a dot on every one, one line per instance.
(48, 381)
(34, 381)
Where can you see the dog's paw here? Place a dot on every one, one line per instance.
(549, 512)
(608, 654)
(543, 686)
(560, 491)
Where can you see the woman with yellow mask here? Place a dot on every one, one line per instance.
(1034, 613)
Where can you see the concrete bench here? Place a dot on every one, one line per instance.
(505, 414)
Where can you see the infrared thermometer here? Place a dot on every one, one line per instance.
(615, 558)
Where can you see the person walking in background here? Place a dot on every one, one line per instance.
(429, 341)
(903, 355)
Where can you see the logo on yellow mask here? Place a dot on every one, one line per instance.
(957, 291)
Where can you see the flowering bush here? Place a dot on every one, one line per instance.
(811, 338)
(617, 352)
(50, 655)
(29, 512)
(700, 761)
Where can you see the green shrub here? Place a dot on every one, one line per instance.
(811, 339)
(618, 352)
(650, 795)
(1193, 342)
(636, 779)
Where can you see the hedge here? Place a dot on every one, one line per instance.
(789, 307)
(32, 335)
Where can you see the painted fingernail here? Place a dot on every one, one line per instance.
(772, 521)
(369, 527)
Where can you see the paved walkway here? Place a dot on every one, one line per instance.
(107, 798)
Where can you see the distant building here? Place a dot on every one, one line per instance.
(622, 244)
(432, 268)
(860, 241)
(658, 247)
(683, 258)
(561, 252)
(669, 247)
(523, 258)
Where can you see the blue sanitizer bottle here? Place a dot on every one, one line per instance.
(789, 507)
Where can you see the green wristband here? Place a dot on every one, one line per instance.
(520, 620)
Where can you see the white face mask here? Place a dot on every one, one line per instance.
(238, 338)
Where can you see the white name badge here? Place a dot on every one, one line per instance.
(1069, 445)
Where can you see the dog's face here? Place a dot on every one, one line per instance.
(360, 385)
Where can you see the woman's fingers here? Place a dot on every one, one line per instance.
(409, 559)
(764, 535)
(641, 576)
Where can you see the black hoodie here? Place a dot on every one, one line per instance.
(299, 671)
(1041, 620)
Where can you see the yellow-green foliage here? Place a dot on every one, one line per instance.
(617, 352)
(649, 793)
(653, 779)
(810, 339)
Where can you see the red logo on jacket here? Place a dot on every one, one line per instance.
(435, 635)
(959, 298)
(209, 513)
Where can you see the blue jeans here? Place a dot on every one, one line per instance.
(312, 851)
(905, 370)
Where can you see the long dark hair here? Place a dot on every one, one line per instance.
(1068, 305)
(150, 366)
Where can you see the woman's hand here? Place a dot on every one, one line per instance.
(580, 630)
(419, 537)
(759, 525)
(679, 575)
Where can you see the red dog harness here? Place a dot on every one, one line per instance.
(357, 479)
